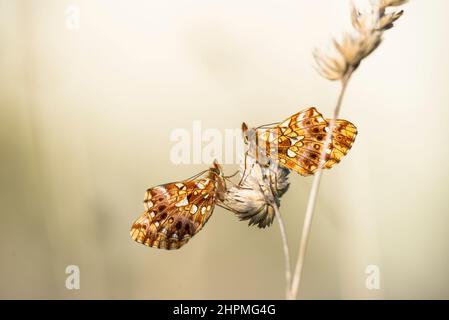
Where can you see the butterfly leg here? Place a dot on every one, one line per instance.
(225, 206)
(232, 175)
(244, 170)
(275, 173)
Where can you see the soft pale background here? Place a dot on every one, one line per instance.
(84, 129)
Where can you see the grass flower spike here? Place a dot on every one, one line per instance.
(353, 47)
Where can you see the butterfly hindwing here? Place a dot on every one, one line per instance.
(298, 142)
(175, 212)
(343, 137)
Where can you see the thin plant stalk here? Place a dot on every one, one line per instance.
(311, 203)
(288, 271)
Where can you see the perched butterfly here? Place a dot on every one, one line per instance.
(176, 211)
(260, 189)
(298, 142)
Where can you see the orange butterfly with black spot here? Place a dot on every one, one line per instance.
(176, 211)
(298, 142)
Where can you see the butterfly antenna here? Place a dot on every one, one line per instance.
(267, 126)
(197, 175)
(232, 175)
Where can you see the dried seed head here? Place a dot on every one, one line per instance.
(386, 21)
(261, 189)
(352, 48)
(391, 3)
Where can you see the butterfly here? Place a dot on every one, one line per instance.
(175, 212)
(260, 189)
(298, 142)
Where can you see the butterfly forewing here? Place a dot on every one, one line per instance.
(175, 212)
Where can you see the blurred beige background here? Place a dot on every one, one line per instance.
(86, 116)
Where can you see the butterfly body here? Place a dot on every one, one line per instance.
(298, 142)
(295, 144)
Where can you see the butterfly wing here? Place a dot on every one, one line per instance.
(343, 137)
(175, 212)
(297, 143)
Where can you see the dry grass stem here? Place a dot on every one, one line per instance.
(312, 201)
(257, 199)
(286, 248)
(339, 65)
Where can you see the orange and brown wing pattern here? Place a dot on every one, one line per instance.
(298, 142)
(343, 137)
(175, 212)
